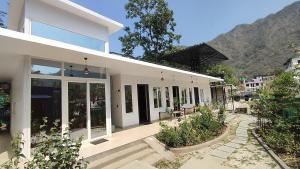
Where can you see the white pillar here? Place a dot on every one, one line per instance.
(26, 122)
(108, 104)
(106, 47)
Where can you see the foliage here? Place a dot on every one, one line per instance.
(279, 114)
(2, 14)
(14, 161)
(196, 129)
(221, 69)
(53, 150)
(4, 99)
(153, 29)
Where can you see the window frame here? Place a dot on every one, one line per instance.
(128, 109)
(157, 102)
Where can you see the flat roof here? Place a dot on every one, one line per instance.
(24, 44)
(16, 8)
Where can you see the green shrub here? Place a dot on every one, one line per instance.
(191, 131)
(282, 142)
(53, 150)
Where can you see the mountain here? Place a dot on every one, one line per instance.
(263, 46)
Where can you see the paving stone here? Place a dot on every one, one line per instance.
(233, 145)
(241, 135)
(226, 149)
(239, 141)
(241, 138)
(220, 154)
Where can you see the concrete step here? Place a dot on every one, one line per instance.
(152, 158)
(117, 155)
(137, 165)
(124, 161)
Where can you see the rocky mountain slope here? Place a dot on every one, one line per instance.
(263, 46)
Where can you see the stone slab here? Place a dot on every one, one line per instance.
(220, 154)
(233, 145)
(239, 141)
(226, 149)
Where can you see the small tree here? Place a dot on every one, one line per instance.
(53, 150)
(153, 29)
(227, 71)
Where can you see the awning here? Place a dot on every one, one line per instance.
(16, 43)
(196, 56)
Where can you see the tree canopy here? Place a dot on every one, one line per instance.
(2, 14)
(225, 70)
(153, 29)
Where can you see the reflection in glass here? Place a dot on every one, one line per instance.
(74, 70)
(77, 110)
(45, 102)
(45, 67)
(167, 97)
(98, 110)
(128, 99)
(54, 33)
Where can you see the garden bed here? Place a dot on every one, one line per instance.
(207, 143)
(192, 131)
(279, 161)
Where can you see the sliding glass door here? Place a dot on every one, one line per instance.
(97, 110)
(87, 110)
(77, 94)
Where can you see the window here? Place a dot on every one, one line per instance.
(54, 33)
(75, 70)
(45, 102)
(157, 97)
(201, 95)
(183, 97)
(167, 97)
(190, 95)
(128, 99)
(45, 67)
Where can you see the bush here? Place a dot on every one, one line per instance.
(282, 142)
(53, 150)
(278, 111)
(191, 131)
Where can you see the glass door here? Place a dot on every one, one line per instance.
(87, 110)
(97, 110)
(77, 94)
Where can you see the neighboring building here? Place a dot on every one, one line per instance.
(55, 56)
(293, 65)
(250, 87)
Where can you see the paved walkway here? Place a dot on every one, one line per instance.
(241, 138)
(214, 159)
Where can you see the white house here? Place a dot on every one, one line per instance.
(55, 54)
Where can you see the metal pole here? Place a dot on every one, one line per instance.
(232, 98)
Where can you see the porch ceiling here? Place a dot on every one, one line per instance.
(23, 44)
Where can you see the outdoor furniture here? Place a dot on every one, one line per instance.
(165, 115)
(188, 108)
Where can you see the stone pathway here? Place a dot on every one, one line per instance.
(240, 151)
(241, 138)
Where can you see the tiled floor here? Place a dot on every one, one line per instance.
(120, 138)
(4, 147)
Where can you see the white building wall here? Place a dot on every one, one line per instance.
(44, 13)
(20, 116)
(116, 104)
(131, 119)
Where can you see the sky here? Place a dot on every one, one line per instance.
(197, 20)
